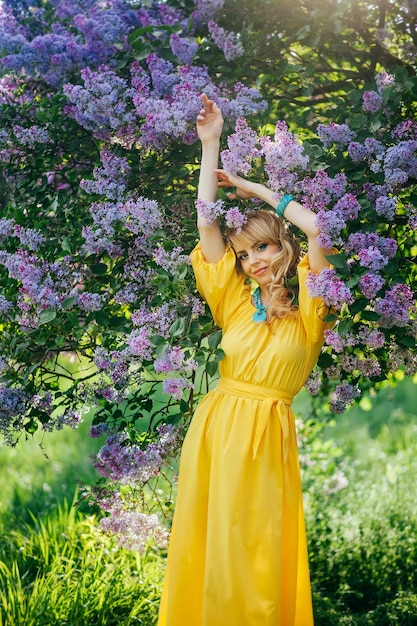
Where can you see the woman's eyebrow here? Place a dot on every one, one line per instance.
(253, 246)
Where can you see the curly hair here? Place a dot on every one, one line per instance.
(266, 227)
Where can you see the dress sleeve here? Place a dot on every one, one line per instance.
(219, 284)
(312, 310)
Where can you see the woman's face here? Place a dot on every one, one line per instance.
(256, 259)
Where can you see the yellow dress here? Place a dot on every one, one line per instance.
(237, 554)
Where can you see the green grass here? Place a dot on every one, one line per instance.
(57, 568)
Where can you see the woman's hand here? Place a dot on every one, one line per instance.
(244, 189)
(209, 121)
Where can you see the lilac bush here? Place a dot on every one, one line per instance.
(99, 163)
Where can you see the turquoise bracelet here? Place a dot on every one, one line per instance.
(282, 205)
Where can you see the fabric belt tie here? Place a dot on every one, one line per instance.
(269, 399)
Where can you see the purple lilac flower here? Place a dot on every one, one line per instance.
(402, 357)
(184, 49)
(411, 212)
(329, 288)
(372, 101)
(313, 384)
(338, 134)
(330, 224)
(241, 149)
(384, 80)
(139, 343)
(370, 284)
(386, 207)
(159, 319)
(90, 301)
(396, 305)
(31, 136)
(206, 10)
(374, 147)
(6, 228)
(5, 305)
(371, 337)
(171, 261)
(228, 42)
(176, 386)
(400, 162)
(209, 211)
(372, 258)
(357, 151)
(98, 430)
(284, 157)
(103, 104)
(134, 530)
(345, 393)
(374, 191)
(110, 179)
(235, 219)
(172, 360)
(405, 130)
(141, 215)
(29, 237)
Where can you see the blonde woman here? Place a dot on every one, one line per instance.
(238, 554)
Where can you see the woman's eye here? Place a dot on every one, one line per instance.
(262, 246)
(243, 257)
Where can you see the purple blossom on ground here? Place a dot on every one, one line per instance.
(396, 306)
(228, 42)
(330, 288)
(372, 101)
(370, 284)
(338, 134)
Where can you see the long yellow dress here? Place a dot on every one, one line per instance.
(237, 554)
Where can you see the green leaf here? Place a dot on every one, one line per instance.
(212, 368)
(69, 302)
(370, 316)
(178, 327)
(214, 339)
(339, 261)
(325, 360)
(47, 316)
(344, 327)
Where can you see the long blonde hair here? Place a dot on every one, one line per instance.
(266, 227)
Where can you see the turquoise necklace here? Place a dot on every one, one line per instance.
(260, 313)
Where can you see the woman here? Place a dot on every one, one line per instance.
(238, 553)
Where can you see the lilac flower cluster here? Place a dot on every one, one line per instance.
(171, 261)
(103, 105)
(134, 529)
(318, 192)
(206, 10)
(228, 42)
(31, 136)
(110, 179)
(339, 135)
(174, 360)
(345, 393)
(97, 30)
(330, 288)
(184, 49)
(170, 101)
(242, 149)
(396, 306)
(211, 211)
(284, 158)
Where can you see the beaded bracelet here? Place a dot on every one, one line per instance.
(282, 205)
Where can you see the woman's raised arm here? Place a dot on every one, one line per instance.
(209, 129)
(295, 213)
